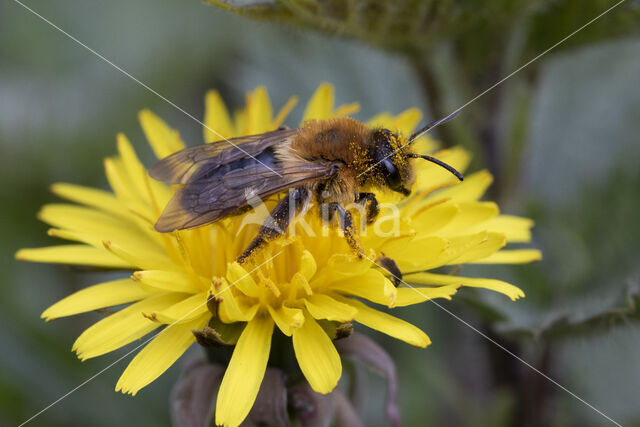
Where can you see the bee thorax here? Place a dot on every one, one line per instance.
(334, 190)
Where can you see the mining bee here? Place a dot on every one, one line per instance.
(335, 162)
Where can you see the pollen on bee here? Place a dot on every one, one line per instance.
(360, 155)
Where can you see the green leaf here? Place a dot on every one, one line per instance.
(557, 19)
(217, 333)
(624, 310)
(387, 24)
(416, 24)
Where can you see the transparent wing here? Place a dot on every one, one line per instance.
(205, 201)
(203, 161)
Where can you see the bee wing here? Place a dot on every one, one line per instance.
(205, 201)
(200, 161)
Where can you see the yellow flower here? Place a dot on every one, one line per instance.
(304, 284)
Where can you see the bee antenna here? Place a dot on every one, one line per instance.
(432, 125)
(439, 163)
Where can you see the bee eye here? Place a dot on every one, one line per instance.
(391, 174)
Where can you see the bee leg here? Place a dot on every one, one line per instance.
(345, 219)
(371, 204)
(391, 266)
(278, 221)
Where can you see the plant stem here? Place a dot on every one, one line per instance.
(431, 88)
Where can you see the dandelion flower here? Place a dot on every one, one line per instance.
(304, 285)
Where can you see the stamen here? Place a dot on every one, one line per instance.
(298, 280)
(272, 286)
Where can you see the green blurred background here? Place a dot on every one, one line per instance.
(561, 138)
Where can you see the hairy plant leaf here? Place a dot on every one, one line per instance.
(625, 310)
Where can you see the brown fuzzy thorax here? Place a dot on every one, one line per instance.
(348, 142)
(340, 139)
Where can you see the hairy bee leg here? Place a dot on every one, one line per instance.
(371, 204)
(346, 224)
(391, 266)
(278, 221)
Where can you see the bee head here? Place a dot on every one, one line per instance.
(391, 161)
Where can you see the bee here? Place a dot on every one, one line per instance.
(333, 162)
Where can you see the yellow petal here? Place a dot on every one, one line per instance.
(472, 188)
(404, 122)
(429, 175)
(480, 246)
(238, 277)
(136, 172)
(408, 120)
(132, 255)
(232, 308)
(418, 253)
(284, 112)
(259, 111)
(371, 285)
(514, 228)
(427, 219)
(470, 214)
(173, 281)
(87, 196)
(388, 324)
(344, 265)
(431, 218)
(426, 144)
(240, 121)
(122, 327)
(184, 311)
(217, 123)
(508, 289)
(317, 356)
(320, 105)
(511, 256)
(121, 184)
(157, 256)
(74, 255)
(152, 193)
(308, 266)
(457, 250)
(414, 294)
(287, 319)
(118, 181)
(324, 307)
(381, 120)
(346, 110)
(97, 296)
(96, 226)
(157, 356)
(244, 374)
(162, 138)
